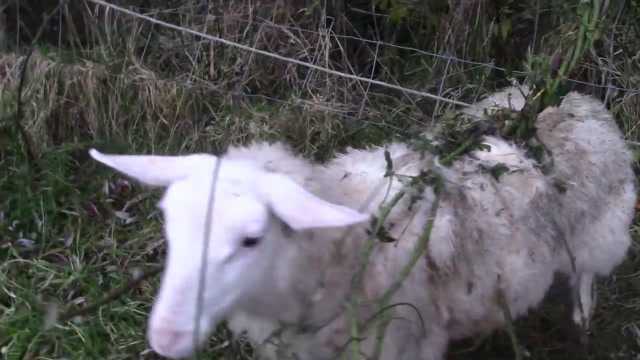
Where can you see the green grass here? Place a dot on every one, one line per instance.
(136, 89)
(73, 251)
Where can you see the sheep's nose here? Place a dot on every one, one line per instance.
(171, 343)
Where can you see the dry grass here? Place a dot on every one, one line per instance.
(70, 230)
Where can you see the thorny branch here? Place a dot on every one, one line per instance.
(417, 183)
(416, 255)
(589, 14)
(365, 255)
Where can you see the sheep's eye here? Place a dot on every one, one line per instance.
(250, 241)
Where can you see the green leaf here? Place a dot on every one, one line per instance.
(498, 170)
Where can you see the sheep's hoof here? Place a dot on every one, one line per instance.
(584, 338)
(579, 338)
(581, 330)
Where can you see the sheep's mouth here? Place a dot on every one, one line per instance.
(172, 343)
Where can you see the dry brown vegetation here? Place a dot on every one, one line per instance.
(70, 231)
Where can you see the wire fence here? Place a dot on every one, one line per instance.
(376, 43)
(446, 57)
(277, 56)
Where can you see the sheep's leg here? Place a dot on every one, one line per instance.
(434, 347)
(584, 300)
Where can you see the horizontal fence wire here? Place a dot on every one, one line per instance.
(438, 55)
(276, 56)
(447, 57)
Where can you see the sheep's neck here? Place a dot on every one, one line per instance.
(326, 272)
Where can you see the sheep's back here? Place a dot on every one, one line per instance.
(592, 168)
(492, 237)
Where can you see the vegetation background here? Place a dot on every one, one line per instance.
(71, 231)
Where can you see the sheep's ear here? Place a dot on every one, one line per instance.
(153, 170)
(302, 210)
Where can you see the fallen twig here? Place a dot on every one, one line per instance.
(111, 296)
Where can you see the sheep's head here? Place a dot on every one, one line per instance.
(244, 243)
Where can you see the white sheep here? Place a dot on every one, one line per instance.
(279, 255)
(593, 166)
